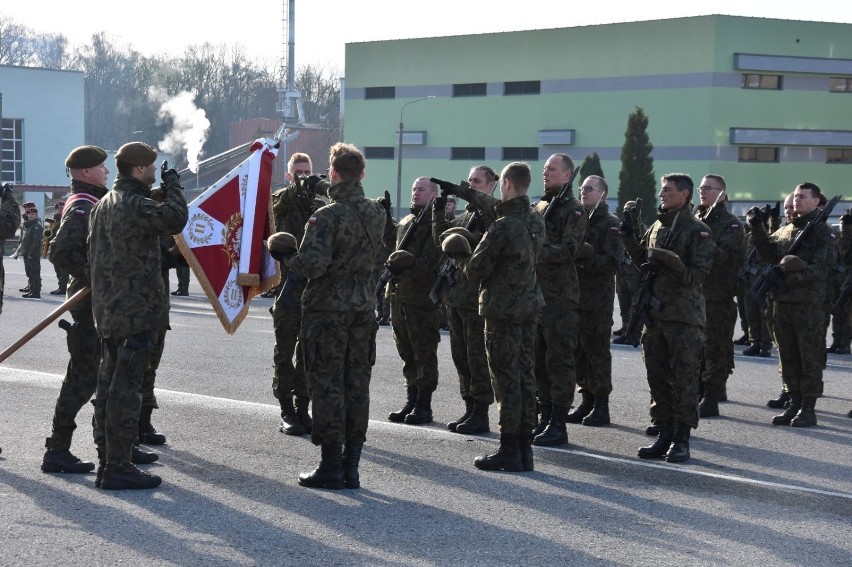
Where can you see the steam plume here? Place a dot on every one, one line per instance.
(189, 124)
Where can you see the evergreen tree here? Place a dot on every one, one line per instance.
(637, 179)
(591, 166)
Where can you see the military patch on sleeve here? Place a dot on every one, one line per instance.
(312, 220)
(578, 213)
(833, 236)
(704, 234)
(736, 226)
(80, 212)
(613, 228)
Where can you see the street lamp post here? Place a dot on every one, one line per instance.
(399, 157)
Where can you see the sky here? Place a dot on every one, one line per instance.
(323, 27)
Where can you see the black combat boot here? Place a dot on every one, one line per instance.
(780, 401)
(581, 411)
(525, 446)
(289, 421)
(709, 405)
(128, 477)
(32, 295)
(545, 409)
(477, 422)
(507, 458)
(679, 450)
(302, 404)
(807, 414)
(25, 289)
(468, 409)
(742, 341)
(652, 430)
(329, 473)
(63, 461)
(792, 408)
(99, 476)
(661, 445)
(140, 456)
(399, 416)
(554, 433)
(753, 350)
(351, 458)
(147, 434)
(422, 412)
(600, 412)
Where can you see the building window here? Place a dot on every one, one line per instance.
(468, 153)
(838, 155)
(764, 155)
(13, 151)
(770, 82)
(469, 89)
(521, 87)
(840, 85)
(377, 152)
(379, 92)
(518, 154)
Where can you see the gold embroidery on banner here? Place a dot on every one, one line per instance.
(231, 236)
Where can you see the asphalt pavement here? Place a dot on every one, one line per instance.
(751, 493)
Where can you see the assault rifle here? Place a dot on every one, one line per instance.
(448, 268)
(774, 276)
(563, 192)
(644, 300)
(387, 276)
(843, 297)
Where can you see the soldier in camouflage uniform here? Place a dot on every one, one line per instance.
(467, 326)
(338, 336)
(720, 288)
(673, 342)
(68, 252)
(597, 261)
(292, 206)
(797, 315)
(556, 374)
(414, 318)
(61, 275)
(627, 281)
(128, 300)
(841, 330)
(30, 249)
(504, 262)
(10, 220)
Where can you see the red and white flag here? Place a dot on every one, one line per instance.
(224, 238)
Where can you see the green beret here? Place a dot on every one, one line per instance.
(461, 231)
(283, 242)
(85, 156)
(456, 245)
(136, 153)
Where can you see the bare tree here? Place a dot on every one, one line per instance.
(16, 43)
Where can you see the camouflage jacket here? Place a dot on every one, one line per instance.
(68, 249)
(504, 264)
(412, 286)
(128, 295)
(33, 233)
(292, 209)
(463, 293)
(566, 228)
(596, 275)
(819, 251)
(680, 294)
(10, 220)
(727, 230)
(845, 245)
(338, 250)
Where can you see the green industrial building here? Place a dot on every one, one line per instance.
(766, 103)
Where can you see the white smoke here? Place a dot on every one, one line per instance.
(189, 124)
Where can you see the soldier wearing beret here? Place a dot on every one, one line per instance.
(32, 234)
(414, 318)
(672, 342)
(129, 301)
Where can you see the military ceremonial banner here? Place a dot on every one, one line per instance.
(224, 238)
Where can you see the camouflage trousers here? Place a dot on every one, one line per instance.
(758, 330)
(182, 273)
(467, 345)
(81, 378)
(339, 349)
(626, 285)
(718, 361)
(801, 347)
(672, 355)
(32, 267)
(288, 379)
(511, 362)
(556, 345)
(593, 358)
(117, 399)
(147, 389)
(416, 333)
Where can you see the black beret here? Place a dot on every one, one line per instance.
(85, 156)
(136, 153)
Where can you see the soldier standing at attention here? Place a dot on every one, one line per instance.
(504, 262)
(10, 220)
(467, 326)
(128, 300)
(673, 342)
(556, 373)
(338, 335)
(597, 261)
(292, 206)
(720, 289)
(414, 318)
(797, 316)
(627, 279)
(30, 249)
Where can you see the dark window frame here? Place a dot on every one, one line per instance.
(847, 84)
(470, 89)
(467, 153)
(520, 153)
(379, 93)
(515, 88)
(379, 152)
(845, 155)
(759, 154)
(762, 78)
